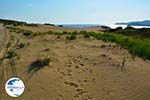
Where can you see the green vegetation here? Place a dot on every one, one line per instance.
(60, 25)
(11, 22)
(42, 62)
(31, 25)
(49, 24)
(37, 65)
(27, 33)
(10, 54)
(137, 41)
(71, 36)
(130, 31)
(136, 46)
(85, 34)
(45, 61)
(20, 45)
(16, 23)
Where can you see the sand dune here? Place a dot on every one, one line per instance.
(82, 69)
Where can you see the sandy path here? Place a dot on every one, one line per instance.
(3, 39)
(82, 70)
(1, 36)
(4, 72)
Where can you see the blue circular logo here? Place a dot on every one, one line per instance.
(14, 87)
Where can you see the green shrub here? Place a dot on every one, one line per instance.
(74, 33)
(20, 45)
(49, 32)
(60, 25)
(64, 32)
(49, 24)
(10, 54)
(86, 35)
(82, 32)
(27, 33)
(136, 46)
(71, 37)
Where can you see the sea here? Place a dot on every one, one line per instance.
(113, 26)
(80, 25)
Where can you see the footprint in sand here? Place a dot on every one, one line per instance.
(81, 93)
(72, 84)
(67, 73)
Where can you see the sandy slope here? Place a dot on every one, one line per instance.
(83, 69)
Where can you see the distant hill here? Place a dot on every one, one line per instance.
(136, 23)
(12, 22)
(16, 23)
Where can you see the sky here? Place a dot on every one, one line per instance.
(75, 11)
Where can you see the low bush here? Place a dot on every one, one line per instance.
(136, 46)
(49, 24)
(10, 54)
(27, 33)
(86, 35)
(71, 37)
(20, 45)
